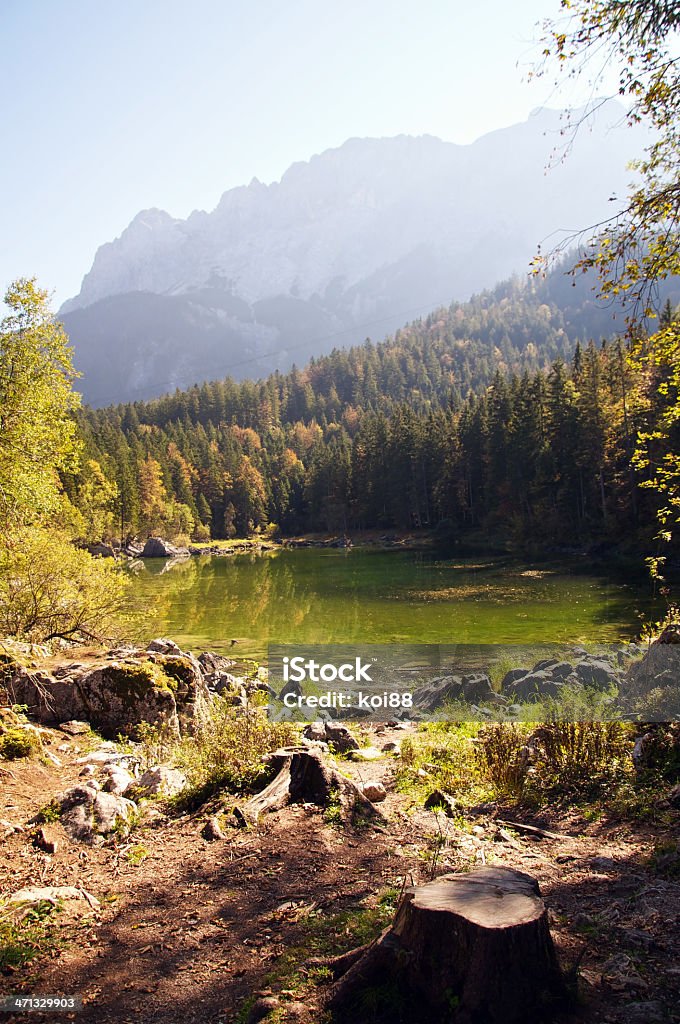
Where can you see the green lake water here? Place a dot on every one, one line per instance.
(362, 596)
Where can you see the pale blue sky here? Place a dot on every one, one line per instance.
(111, 106)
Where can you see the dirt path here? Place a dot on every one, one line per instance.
(189, 930)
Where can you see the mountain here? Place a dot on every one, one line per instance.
(352, 242)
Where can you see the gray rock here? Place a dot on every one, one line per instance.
(512, 677)
(101, 550)
(156, 547)
(55, 894)
(290, 687)
(341, 738)
(596, 674)
(561, 670)
(535, 685)
(162, 645)
(546, 663)
(74, 728)
(221, 681)
(477, 687)
(118, 780)
(86, 813)
(437, 692)
(212, 831)
(109, 809)
(373, 791)
(161, 781)
(211, 662)
(118, 696)
(315, 731)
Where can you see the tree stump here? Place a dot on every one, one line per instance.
(303, 777)
(466, 948)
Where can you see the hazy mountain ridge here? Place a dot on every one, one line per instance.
(354, 241)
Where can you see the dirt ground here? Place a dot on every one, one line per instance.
(188, 930)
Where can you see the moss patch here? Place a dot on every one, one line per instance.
(131, 681)
(179, 671)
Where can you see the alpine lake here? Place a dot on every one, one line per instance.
(363, 596)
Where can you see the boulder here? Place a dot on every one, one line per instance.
(513, 676)
(562, 670)
(101, 550)
(341, 738)
(222, 682)
(373, 791)
(118, 780)
(86, 812)
(315, 731)
(156, 547)
(290, 687)
(545, 664)
(49, 699)
(535, 685)
(162, 645)
(118, 696)
(659, 667)
(599, 675)
(160, 781)
(477, 687)
(74, 728)
(437, 692)
(211, 662)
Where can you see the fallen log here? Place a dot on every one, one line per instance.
(532, 830)
(464, 948)
(303, 777)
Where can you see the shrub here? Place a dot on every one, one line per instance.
(504, 755)
(50, 589)
(445, 751)
(225, 751)
(16, 743)
(556, 758)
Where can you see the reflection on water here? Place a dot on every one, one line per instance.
(330, 596)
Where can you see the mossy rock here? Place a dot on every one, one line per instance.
(117, 698)
(131, 681)
(16, 743)
(182, 674)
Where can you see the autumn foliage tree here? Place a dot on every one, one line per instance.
(640, 244)
(48, 588)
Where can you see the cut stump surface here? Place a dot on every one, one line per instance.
(464, 948)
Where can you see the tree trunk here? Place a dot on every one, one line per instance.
(303, 777)
(465, 948)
